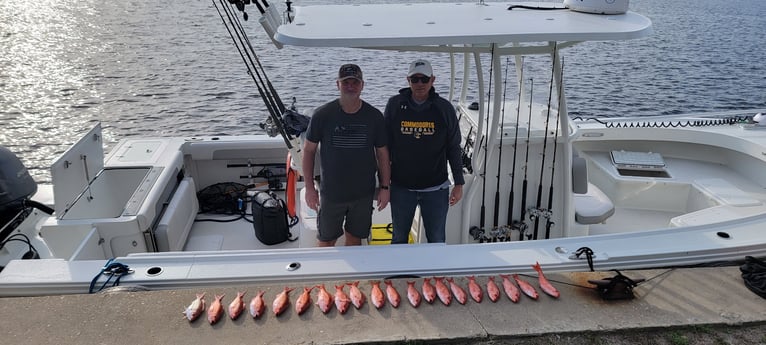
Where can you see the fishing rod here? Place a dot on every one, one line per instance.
(538, 212)
(515, 147)
(549, 222)
(524, 187)
(246, 56)
(273, 92)
(466, 158)
(500, 152)
(486, 144)
(266, 90)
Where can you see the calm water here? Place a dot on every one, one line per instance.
(169, 68)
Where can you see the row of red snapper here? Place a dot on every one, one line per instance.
(342, 301)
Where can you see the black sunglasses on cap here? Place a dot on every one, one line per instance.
(423, 79)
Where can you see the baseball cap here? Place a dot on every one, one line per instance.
(420, 67)
(349, 71)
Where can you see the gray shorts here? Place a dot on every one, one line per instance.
(357, 215)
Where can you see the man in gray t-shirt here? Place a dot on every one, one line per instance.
(353, 138)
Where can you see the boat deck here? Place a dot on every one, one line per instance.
(661, 201)
(240, 235)
(698, 189)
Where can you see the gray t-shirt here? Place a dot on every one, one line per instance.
(348, 143)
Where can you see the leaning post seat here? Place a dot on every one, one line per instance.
(591, 205)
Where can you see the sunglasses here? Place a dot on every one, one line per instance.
(422, 79)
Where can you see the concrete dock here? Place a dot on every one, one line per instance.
(678, 297)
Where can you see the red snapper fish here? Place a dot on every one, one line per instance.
(510, 288)
(237, 306)
(195, 309)
(342, 302)
(526, 288)
(376, 295)
(492, 290)
(429, 292)
(442, 291)
(304, 301)
(357, 297)
(392, 294)
(458, 291)
(215, 311)
(544, 283)
(257, 305)
(412, 294)
(476, 292)
(282, 301)
(324, 299)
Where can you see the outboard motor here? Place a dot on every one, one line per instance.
(16, 186)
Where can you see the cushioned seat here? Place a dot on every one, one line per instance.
(593, 207)
(176, 223)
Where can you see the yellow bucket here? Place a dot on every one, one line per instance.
(381, 234)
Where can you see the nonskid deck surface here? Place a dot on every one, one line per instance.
(240, 235)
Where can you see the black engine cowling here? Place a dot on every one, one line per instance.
(16, 186)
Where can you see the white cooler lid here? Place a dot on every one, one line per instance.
(74, 170)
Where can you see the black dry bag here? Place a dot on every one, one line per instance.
(270, 219)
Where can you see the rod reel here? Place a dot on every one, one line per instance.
(539, 213)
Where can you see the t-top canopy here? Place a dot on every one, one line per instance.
(429, 24)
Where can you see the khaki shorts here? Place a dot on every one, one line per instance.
(357, 215)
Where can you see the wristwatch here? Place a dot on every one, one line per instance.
(384, 187)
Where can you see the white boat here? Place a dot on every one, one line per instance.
(607, 193)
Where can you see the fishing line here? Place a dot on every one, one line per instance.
(524, 187)
(515, 147)
(500, 152)
(549, 222)
(538, 212)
